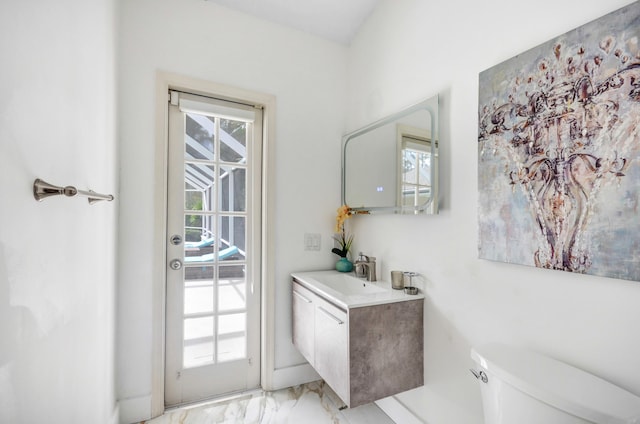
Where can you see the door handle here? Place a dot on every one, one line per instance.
(175, 264)
(301, 297)
(330, 315)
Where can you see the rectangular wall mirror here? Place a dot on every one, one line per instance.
(391, 165)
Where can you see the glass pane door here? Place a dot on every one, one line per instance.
(212, 330)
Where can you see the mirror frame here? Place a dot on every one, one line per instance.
(431, 106)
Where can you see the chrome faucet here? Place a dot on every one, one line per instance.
(366, 267)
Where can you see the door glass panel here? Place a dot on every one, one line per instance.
(199, 234)
(193, 228)
(199, 138)
(199, 339)
(198, 328)
(232, 337)
(233, 184)
(233, 141)
(232, 347)
(234, 323)
(198, 297)
(232, 272)
(194, 200)
(233, 233)
(199, 186)
(232, 290)
(197, 274)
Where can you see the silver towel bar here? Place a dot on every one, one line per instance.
(43, 189)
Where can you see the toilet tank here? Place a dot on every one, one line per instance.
(539, 386)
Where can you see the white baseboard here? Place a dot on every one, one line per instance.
(282, 378)
(134, 410)
(397, 411)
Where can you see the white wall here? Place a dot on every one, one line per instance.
(307, 76)
(57, 279)
(410, 50)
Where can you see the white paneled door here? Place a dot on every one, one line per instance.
(213, 248)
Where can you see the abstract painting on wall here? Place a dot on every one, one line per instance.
(559, 152)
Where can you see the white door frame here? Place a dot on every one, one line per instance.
(164, 82)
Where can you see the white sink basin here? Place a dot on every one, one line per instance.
(347, 291)
(348, 285)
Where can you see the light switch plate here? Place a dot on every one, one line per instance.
(312, 241)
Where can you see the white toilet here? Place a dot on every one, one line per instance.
(523, 387)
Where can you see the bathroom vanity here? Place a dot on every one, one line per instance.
(365, 339)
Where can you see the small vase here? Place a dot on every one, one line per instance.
(344, 265)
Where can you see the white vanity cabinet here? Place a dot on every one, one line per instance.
(304, 321)
(320, 333)
(331, 346)
(364, 353)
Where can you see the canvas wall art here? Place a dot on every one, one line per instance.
(559, 152)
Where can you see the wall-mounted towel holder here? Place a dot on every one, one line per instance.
(42, 190)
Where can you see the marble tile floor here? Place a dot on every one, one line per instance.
(312, 403)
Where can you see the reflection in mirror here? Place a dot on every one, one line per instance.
(391, 166)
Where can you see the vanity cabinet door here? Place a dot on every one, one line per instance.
(331, 353)
(304, 321)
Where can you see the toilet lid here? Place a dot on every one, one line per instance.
(560, 385)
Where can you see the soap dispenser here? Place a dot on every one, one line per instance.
(361, 269)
